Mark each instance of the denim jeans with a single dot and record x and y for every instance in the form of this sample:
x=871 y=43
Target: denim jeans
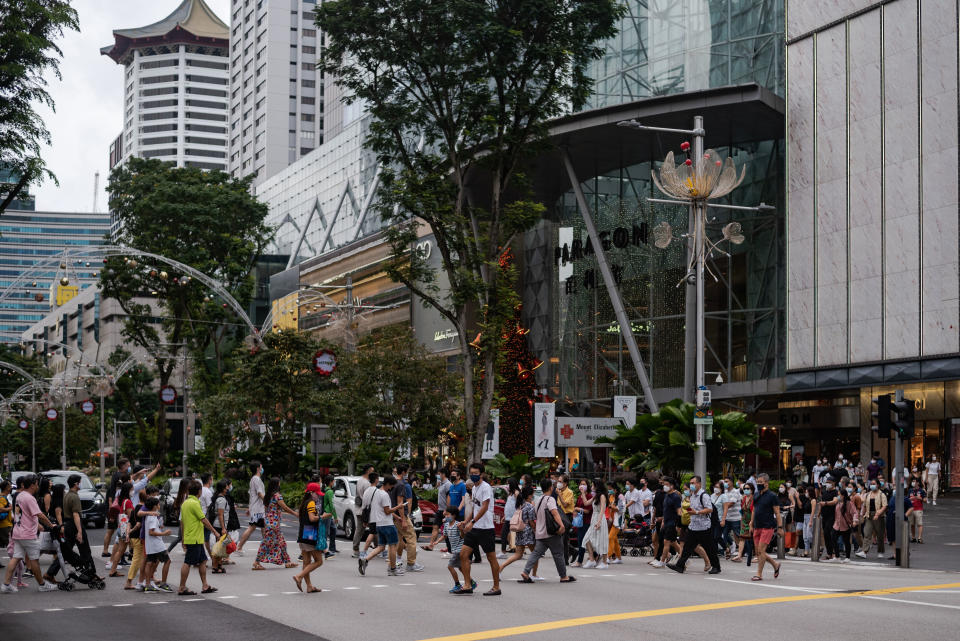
x=331 y=534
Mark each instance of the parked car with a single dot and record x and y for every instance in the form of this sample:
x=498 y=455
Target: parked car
x=348 y=514
x=91 y=496
x=168 y=496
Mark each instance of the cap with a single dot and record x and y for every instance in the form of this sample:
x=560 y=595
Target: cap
x=314 y=487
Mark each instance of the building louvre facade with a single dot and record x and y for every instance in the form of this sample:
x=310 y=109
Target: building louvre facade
x=276 y=94
x=176 y=83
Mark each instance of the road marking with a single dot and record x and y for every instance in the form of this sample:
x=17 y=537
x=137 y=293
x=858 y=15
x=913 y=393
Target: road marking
x=932 y=605
x=431 y=583
x=226 y=597
x=84 y=607
x=22 y=612
x=154 y=603
x=352 y=587
x=704 y=607
x=629 y=574
x=408 y=584
x=381 y=585
x=289 y=593
x=53 y=609
x=122 y=605
x=259 y=594
x=191 y=600
x=773 y=585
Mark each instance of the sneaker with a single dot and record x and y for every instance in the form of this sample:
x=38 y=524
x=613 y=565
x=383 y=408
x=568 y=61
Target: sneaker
x=588 y=565
x=6 y=588
x=616 y=561
x=239 y=552
x=502 y=555
x=383 y=555
x=395 y=572
x=164 y=587
x=106 y=565
x=355 y=555
x=47 y=587
x=675 y=568
x=862 y=554
x=534 y=577
x=139 y=587
x=415 y=567
x=362 y=566
x=844 y=560
x=455 y=588
x=446 y=555
x=880 y=555
x=934 y=502
x=399 y=565
x=473 y=584
x=658 y=564
x=151 y=588
x=674 y=559
x=602 y=566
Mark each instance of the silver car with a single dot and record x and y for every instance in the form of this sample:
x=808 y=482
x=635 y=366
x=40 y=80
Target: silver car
x=348 y=512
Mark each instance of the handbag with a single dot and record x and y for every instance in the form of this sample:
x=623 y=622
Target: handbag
x=310 y=533
x=551 y=523
x=578 y=520
x=516 y=522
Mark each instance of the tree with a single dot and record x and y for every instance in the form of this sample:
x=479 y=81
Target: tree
x=502 y=467
x=28 y=51
x=390 y=392
x=516 y=388
x=204 y=219
x=459 y=90
x=276 y=387
x=665 y=440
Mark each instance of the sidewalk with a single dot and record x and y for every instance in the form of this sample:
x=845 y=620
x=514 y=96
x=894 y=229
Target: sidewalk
x=941 y=538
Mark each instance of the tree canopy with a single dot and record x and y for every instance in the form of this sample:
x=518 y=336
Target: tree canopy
x=204 y=219
x=458 y=90
x=29 y=30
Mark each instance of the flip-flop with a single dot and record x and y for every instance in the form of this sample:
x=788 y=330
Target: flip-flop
x=187 y=593
x=426 y=548
x=299 y=582
x=570 y=579
x=258 y=567
x=756 y=578
x=129 y=587
x=524 y=579
x=314 y=590
x=492 y=593
x=208 y=590
x=290 y=566
x=776 y=572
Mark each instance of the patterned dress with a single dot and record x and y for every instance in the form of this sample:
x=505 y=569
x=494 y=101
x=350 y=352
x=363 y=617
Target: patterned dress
x=273 y=547
x=529 y=516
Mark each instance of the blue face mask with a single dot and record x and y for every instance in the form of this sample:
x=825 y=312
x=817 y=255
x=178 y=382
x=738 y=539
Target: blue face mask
x=686 y=492
x=475 y=478
x=449 y=519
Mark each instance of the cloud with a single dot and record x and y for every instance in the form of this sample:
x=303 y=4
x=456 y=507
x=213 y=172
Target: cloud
x=89 y=100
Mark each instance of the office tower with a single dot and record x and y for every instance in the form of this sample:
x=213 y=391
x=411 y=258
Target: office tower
x=276 y=94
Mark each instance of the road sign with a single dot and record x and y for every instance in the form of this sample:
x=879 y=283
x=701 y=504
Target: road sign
x=87 y=407
x=23 y=424
x=52 y=414
x=168 y=395
x=324 y=362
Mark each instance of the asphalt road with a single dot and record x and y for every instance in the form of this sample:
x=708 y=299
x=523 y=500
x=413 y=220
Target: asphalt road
x=629 y=601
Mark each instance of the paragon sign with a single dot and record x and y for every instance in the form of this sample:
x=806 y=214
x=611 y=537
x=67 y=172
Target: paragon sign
x=568 y=253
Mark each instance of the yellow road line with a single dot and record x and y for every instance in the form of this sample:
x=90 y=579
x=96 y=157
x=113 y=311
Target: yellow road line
x=686 y=609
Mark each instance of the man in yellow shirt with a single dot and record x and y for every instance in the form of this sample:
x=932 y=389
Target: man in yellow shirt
x=194 y=522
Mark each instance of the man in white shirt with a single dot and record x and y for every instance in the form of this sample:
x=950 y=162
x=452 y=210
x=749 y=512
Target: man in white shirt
x=381 y=514
x=479 y=532
x=255 y=506
x=645 y=499
x=359 y=524
x=206 y=492
x=140 y=480
x=932 y=469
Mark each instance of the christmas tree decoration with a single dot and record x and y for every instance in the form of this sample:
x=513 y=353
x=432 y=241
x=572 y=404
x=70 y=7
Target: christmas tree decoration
x=517 y=389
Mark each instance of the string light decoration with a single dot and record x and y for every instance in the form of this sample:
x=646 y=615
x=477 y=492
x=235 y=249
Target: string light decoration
x=517 y=388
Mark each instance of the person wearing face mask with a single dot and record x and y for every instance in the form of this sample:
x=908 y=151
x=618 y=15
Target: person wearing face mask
x=669 y=519
x=746 y=518
x=873 y=469
x=932 y=471
x=566 y=502
x=584 y=508
x=829 y=497
x=917 y=496
x=699 y=531
x=729 y=517
x=817 y=471
x=479 y=533
x=255 y=507
x=872 y=514
x=808 y=509
x=766 y=523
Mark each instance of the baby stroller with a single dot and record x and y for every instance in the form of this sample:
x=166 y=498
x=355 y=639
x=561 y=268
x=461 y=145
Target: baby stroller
x=637 y=537
x=81 y=568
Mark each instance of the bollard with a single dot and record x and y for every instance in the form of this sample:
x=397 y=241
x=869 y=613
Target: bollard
x=781 y=552
x=815 y=550
x=905 y=542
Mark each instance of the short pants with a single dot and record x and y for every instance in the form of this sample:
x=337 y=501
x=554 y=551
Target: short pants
x=762 y=537
x=196 y=554
x=158 y=557
x=26 y=549
x=484 y=539
x=669 y=532
x=387 y=535
x=256 y=520
x=454 y=561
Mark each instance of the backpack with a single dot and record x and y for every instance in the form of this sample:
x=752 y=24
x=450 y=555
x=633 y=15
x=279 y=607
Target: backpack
x=365 y=512
x=516 y=521
x=212 y=515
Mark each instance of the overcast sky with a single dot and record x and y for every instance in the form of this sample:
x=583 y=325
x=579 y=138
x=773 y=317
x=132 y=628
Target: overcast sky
x=89 y=100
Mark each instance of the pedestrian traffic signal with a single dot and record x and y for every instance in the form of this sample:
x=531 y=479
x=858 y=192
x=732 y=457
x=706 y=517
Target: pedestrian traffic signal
x=904 y=422
x=882 y=415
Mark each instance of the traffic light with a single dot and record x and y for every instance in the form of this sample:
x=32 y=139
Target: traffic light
x=882 y=415
x=904 y=422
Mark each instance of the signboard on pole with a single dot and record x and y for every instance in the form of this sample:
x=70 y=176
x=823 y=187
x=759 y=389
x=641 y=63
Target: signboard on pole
x=491 y=443
x=52 y=414
x=625 y=407
x=544 y=415
x=574 y=431
x=324 y=362
x=23 y=424
x=168 y=395
x=87 y=407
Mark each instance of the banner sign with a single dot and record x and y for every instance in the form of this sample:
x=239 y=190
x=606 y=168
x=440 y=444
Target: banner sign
x=543 y=430
x=574 y=431
x=625 y=407
x=491 y=443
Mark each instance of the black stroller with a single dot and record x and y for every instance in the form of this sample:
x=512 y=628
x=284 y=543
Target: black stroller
x=77 y=566
x=636 y=538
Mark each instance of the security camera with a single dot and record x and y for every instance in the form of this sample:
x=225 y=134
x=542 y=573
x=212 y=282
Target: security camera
x=719 y=380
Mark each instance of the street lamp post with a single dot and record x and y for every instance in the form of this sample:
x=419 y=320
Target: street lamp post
x=101 y=387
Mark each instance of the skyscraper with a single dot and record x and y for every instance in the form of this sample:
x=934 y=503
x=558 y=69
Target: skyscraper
x=176 y=77
x=276 y=95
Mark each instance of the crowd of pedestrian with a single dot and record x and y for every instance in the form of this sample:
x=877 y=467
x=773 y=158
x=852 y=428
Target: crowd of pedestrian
x=584 y=525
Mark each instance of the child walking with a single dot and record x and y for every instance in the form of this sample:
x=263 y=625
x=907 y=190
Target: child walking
x=453 y=530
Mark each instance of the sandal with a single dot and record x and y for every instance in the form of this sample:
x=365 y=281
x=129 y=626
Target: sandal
x=492 y=592
x=314 y=590
x=299 y=583
x=570 y=579
x=524 y=579
x=218 y=571
x=208 y=590
x=427 y=548
x=291 y=565
x=257 y=566
x=756 y=578
x=115 y=574
x=187 y=593
x=776 y=572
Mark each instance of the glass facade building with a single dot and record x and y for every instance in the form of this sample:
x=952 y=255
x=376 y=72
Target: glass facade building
x=663 y=49
x=28 y=239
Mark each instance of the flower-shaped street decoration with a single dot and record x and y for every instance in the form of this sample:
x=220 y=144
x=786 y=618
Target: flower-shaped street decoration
x=702 y=179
